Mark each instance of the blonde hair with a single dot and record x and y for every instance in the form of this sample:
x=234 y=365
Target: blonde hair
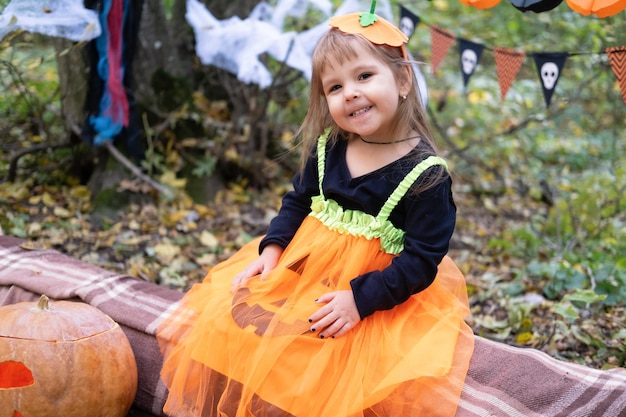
x=340 y=47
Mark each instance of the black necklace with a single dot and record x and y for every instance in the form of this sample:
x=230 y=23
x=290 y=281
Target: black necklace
x=390 y=142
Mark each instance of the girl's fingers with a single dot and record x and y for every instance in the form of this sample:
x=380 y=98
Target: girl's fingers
x=342 y=330
x=337 y=329
x=320 y=315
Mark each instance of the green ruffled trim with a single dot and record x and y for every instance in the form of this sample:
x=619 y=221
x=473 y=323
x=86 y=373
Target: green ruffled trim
x=358 y=223
x=407 y=183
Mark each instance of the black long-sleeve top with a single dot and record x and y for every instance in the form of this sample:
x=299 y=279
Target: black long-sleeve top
x=428 y=220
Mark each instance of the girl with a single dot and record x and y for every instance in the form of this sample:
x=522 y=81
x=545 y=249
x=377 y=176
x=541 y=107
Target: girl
x=348 y=306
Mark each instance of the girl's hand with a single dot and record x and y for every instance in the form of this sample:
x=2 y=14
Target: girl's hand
x=338 y=315
x=261 y=265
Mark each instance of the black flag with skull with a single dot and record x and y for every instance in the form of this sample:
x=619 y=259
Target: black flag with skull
x=470 y=53
x=408 y=21
x=549 y=68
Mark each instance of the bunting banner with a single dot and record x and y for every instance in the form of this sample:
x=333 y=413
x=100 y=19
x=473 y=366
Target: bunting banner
x=601 y=8
x=480 y=4
x=508 y=64
x=537 y=6
x=469 y=53
x=441 y=42
x=549 y=68
x=408 y=21
x=617 y=57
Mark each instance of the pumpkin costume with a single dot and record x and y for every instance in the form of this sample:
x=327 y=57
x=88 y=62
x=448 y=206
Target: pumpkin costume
x=251 y=352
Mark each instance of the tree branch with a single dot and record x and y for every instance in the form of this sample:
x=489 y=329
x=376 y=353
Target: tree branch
x=15 y=157
x=167 y=192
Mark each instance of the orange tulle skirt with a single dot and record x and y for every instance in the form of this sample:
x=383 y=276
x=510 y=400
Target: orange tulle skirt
x=251 y=352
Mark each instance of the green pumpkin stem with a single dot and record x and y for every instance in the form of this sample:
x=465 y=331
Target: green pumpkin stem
x=366 y=19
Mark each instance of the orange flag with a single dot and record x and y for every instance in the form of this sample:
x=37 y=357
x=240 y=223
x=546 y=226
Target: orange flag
x=508 y=64
x=441 y=41
x=617 y=57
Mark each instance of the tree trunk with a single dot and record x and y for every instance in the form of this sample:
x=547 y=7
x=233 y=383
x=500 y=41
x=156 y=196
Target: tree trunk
x=163 y=74
x=73 y=74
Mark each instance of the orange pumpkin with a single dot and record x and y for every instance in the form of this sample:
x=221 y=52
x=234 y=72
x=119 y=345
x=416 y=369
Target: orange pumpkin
x=64 y=359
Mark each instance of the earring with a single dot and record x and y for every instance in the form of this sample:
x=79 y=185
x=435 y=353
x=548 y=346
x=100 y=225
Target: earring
x=403 y=98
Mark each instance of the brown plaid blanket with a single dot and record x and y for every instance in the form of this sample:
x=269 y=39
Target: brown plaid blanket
x=502 y=380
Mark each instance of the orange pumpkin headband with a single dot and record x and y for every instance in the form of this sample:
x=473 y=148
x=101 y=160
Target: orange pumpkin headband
x=372 y=27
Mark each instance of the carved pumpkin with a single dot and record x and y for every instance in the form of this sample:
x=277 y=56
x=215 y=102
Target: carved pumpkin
x=65 y=359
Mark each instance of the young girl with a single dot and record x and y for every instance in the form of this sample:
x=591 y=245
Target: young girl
x=348 y=306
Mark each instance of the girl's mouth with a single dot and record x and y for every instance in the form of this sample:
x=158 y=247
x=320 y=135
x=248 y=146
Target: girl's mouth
x=361 y=111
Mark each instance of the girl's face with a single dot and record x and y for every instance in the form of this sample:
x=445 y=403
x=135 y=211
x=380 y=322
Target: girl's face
x=362 y=94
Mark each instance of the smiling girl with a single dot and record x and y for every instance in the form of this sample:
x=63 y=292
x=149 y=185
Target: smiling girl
x=348 y=306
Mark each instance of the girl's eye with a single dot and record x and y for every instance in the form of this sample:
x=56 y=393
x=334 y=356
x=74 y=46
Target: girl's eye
x=334 y=88
x=365 y=75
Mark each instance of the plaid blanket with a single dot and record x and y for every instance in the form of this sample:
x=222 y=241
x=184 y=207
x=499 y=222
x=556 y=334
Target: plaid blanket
x=502 y=381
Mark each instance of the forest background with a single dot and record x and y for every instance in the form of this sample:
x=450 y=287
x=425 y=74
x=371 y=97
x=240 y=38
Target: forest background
x=541 y=231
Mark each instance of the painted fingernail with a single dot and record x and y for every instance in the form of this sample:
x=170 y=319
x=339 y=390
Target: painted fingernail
x=310 y=321
x=332 y=337
x=312 y=329
x=321 y=336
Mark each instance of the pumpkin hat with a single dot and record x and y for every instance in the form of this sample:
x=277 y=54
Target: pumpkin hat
x=372 y=27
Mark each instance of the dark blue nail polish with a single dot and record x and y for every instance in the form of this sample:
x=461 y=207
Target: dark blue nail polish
x=310 y=321
x=312 y=329
x=321 y=336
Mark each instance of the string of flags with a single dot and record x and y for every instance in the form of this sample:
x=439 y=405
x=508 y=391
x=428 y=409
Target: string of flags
x=601 y=8
x=508 y=62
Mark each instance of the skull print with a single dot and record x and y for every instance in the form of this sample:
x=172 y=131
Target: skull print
x=468 y=61
x=549 y=75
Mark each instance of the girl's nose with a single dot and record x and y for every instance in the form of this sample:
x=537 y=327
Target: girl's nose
x=350 y=92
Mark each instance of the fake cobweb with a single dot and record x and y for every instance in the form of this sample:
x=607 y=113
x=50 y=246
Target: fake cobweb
x=67 y=19
x=236 y=45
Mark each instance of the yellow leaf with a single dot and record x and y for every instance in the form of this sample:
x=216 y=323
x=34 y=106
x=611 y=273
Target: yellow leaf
x=202 y=210
x=166 y=252
x=231 y=154
x=16 y=190
x=48 y=200
x=80 y=191
x=33 y=245
x=177 y=216
x=209 y=240
x=474 y=97
x=169 y=178
x=524 y=338
x=61 y=212
x=287 y=136
x=34 y=200
x=34 y=229
x=35 y=63
x=207 y=259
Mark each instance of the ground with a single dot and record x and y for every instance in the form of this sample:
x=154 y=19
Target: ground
x=174 y=243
